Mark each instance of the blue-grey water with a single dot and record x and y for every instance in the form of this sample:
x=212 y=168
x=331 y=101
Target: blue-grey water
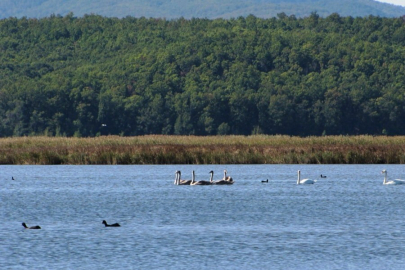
x=348 y=220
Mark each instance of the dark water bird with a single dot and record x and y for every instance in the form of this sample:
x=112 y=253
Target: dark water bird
x=12 y=178
x=111 y=225
x=323 y=176
x=32 y=228
x=265 y=181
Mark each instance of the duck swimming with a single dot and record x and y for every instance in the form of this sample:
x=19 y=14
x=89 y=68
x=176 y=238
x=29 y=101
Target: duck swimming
x=111 y=225
x=32 y=227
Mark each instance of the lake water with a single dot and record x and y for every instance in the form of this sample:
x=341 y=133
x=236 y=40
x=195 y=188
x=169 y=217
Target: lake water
x=348 y=220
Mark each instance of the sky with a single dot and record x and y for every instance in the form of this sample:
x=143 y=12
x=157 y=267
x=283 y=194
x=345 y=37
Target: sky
x=394 y=2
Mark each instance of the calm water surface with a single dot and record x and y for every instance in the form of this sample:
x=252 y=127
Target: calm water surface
x=348 y=220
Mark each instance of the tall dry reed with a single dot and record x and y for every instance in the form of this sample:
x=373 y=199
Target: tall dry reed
x=159 y=149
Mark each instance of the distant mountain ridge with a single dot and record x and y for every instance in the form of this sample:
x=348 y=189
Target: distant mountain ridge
x=197 y=8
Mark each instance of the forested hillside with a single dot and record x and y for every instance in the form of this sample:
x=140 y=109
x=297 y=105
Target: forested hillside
x=196 y=8
x=95 y=75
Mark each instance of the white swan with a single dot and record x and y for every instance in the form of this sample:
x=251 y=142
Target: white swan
x=304 y=181
x=178 y=180
x=227 y=178
x=391 y=182
x=176 y=177
x=219 y=182
x=199 y=183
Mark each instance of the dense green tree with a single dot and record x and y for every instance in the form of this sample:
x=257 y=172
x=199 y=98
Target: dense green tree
x=68 y=76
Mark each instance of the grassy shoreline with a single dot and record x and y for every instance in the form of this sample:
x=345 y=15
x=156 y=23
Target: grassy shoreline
x=160 y=149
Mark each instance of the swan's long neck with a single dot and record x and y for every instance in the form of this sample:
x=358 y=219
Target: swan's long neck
x=224 y=174
x=193 y=177
x=212 y=176
x=385 y=177
x=299 y=178
x=176 y=179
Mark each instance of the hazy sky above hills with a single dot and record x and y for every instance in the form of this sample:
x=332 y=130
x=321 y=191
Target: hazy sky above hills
x=200 y=8
x=394 y=2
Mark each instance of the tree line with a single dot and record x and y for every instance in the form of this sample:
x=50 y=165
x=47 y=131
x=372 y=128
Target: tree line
x=92 y=75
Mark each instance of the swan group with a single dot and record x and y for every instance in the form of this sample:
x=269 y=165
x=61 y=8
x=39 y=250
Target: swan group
x=227 y=180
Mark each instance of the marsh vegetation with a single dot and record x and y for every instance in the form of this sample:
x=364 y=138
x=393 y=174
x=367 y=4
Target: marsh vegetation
x=159 y=149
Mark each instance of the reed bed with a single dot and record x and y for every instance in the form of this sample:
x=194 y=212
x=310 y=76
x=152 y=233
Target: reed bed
x=160 y=149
